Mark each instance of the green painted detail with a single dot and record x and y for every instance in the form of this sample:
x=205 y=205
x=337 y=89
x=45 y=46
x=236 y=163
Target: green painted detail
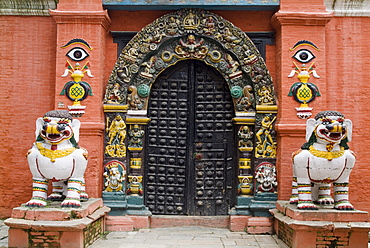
x=143 y=90
x=236 y=92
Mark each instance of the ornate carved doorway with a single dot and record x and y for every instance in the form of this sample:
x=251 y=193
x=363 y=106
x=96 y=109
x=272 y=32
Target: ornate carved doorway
x=179 y=89
x=190 y=142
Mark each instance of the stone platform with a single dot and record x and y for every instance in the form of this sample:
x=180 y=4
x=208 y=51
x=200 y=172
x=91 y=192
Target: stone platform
x=57 y=227
x=321 y=228
x=235 y=223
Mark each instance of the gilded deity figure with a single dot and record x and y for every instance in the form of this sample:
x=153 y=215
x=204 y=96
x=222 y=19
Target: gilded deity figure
x=266 y=177
x=266 y=147
x=191 y=21
x=265 y=96
x=114 y=94
x=148 y=67
x=191 y=48
x=113 y=178
x=173 y=25
x=136 y=135
x=209 y=24
x=117 y=133
x=245 y=136
x=117 y=128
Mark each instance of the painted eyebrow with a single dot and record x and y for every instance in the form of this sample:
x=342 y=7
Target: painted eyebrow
x=78 y=41
x=304 y=43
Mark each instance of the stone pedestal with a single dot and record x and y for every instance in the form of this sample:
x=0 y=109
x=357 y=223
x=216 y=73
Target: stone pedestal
x=57 y=227
x=321 y=228
x=262 y=203
x=135 y=206
x=116 y=201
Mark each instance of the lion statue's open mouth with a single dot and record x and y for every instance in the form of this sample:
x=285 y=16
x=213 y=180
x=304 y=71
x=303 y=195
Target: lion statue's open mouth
x=332 y=135
x=56 y=137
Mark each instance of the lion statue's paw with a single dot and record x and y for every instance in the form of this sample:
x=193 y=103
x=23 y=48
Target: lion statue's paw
x=70 y=203
x=294 y=199
x=36 y=203
x=84 y=196
x=325 y=201
x=56 y=197
x=307 y=206
x=344 y=206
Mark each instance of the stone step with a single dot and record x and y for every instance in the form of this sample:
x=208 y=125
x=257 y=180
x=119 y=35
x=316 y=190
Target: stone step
x=158 y=221
x=236 y=223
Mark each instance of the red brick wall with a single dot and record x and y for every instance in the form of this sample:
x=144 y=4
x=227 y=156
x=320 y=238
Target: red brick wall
x=348 y=90
x=27 y=57
x=28 y=74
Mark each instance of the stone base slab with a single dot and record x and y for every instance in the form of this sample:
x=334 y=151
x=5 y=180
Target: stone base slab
x=305 y=229
x=236 y=223
x=327 y=214
x=126 y=223
x=158 y=221
x=57 y=227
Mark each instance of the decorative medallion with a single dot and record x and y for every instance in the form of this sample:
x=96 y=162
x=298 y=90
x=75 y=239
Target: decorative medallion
x=77 y=90
x=303 y=91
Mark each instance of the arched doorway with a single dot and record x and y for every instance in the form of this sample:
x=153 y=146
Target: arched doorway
x=138 y=100
x=190 y=152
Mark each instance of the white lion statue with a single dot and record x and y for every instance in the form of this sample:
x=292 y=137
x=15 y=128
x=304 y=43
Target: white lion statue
x=323 y=160
x=56 y=156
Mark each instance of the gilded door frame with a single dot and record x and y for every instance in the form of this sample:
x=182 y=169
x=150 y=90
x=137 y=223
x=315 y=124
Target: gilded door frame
x=202 y=35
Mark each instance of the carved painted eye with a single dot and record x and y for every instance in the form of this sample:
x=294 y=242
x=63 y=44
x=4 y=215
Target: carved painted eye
x=304 y=56
x=326 y=121
x=77 y=54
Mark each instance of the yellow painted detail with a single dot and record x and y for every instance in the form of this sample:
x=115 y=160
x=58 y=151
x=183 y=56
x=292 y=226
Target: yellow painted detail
x=135 y=149
x=130 y=120
x=76 y=91
x=244 y=163
x=328 y=155
x=115 y=108
x=135 y=163
x=53 y=155
x=271 y=108
x=304 y=93
x=245 y=121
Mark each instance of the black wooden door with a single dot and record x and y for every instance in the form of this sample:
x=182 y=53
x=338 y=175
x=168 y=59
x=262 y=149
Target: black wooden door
x=190 y=143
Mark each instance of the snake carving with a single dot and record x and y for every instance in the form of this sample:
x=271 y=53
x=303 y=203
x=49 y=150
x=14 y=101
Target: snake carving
x=56 y=156
x=323 y=160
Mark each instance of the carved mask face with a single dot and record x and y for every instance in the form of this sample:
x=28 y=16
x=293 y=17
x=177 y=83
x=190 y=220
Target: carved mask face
x=331 y=129
x=55 y=130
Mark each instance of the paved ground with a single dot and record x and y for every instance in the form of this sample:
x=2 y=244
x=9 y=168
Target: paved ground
x=185 y=237
x=3 y=234
x=176 y=237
